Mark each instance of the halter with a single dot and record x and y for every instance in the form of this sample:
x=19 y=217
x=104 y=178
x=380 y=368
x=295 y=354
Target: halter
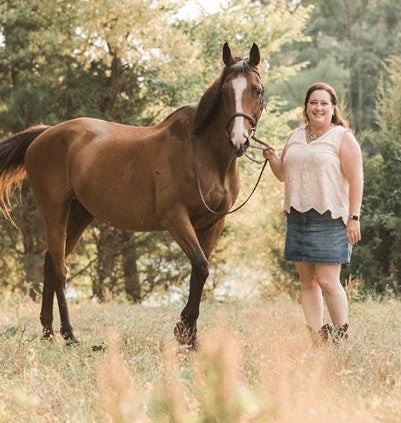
x=253 y=119
x=250 y=118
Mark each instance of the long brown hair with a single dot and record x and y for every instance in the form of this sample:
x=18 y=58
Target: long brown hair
x=337 y=117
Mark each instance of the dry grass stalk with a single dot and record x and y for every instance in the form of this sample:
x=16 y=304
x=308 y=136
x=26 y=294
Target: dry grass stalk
x=217 y=370
x=171 y=401
x=302 y=383
x=119 y=396
x=265 y=373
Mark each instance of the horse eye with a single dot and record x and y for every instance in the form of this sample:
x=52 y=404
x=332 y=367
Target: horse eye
x=257 y=90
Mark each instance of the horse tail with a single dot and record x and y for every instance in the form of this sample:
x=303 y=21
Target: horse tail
x=12 y=169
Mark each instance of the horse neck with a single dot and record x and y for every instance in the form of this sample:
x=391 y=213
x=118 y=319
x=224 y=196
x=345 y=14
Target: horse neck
x=216 y=147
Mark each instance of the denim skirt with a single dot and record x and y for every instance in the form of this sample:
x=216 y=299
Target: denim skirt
x=316 y=238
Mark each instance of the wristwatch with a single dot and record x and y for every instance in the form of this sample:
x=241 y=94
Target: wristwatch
x=353 y=217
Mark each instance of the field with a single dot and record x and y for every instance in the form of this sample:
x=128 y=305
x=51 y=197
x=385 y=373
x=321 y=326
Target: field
x=255 y=364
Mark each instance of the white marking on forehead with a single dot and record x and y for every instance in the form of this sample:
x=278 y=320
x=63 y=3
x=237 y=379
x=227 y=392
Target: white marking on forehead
x=239 y=85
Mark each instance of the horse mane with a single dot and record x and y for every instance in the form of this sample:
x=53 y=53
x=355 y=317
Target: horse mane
x=211 y=99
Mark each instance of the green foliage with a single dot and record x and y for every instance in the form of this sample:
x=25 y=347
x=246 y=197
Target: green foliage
x=349 y=41
x=378 y=260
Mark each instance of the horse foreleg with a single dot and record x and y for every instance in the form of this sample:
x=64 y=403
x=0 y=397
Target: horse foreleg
x=186 y=328
x=209 y=236
x=181 y=229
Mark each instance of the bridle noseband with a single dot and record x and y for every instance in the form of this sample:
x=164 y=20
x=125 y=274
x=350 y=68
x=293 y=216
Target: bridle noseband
x=251 y=119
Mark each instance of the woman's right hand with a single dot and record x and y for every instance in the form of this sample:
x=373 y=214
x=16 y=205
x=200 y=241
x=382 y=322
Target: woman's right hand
x=269 y=152
x=275 y=162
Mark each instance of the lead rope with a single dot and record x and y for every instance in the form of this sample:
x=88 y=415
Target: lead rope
x=258 y=148
x=200 y=189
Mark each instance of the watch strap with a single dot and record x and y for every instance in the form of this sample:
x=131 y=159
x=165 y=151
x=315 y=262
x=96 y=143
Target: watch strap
x=353 y=217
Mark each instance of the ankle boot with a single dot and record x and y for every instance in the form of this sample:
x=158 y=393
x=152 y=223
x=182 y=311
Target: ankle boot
x=322 y=336
x=340 y=334
x=326 y=332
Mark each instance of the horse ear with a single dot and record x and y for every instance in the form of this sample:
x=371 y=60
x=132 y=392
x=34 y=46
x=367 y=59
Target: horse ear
x=254 y=56
x=227 y=56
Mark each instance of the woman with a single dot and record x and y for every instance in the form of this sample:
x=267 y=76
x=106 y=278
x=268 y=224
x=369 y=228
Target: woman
x=321 y=167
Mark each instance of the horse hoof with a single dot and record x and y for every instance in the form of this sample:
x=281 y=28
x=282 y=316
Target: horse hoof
x=47 y=335
x=188 y=347
x=72 y=342
x=48 y=338
x=70 y=339
x=185 y=336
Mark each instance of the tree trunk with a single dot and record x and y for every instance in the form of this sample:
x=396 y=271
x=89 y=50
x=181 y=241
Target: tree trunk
x=105 y=267
x=130 y=268
x=27 y=219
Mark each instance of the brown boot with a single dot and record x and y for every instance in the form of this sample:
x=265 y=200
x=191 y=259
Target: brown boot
x=322 y=336
x=325 y=333
x=340 y=334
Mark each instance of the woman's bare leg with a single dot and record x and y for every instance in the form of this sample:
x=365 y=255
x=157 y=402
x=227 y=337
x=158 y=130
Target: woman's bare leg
x=328 y=278
x=311 y=295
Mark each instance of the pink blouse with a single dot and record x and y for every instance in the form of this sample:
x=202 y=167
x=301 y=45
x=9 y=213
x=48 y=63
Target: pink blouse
x=313 y=177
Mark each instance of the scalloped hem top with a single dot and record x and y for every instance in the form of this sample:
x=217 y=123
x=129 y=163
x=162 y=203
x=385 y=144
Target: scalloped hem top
x=313 y=178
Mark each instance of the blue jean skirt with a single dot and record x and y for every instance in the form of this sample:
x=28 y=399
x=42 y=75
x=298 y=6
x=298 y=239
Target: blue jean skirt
x=316 y=238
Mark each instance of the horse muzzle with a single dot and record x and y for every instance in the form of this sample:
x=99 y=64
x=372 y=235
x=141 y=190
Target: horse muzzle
x=241 y=149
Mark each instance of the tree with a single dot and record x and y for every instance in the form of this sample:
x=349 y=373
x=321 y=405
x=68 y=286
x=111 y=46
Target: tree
x=349 y=40
x=31 y=65
x=378 y=259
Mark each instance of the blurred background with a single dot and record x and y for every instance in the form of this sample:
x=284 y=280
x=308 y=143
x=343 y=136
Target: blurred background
x=135 y=61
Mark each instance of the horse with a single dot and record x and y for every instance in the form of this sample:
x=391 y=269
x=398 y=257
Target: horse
x=139 y=179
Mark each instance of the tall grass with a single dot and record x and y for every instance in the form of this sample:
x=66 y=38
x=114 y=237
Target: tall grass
x=255 y=363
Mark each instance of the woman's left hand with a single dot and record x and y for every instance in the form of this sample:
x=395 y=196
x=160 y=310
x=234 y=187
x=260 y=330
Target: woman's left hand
x=353 y=231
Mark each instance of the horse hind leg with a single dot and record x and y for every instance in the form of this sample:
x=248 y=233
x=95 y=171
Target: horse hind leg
x=64 y=230
x=55 y=222
x=78 y=221
x=46 y=312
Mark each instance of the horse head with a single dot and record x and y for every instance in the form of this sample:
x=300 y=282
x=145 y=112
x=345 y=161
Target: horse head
x=242 y=97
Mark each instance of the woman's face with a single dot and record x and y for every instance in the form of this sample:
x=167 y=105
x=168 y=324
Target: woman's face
x=319 y=109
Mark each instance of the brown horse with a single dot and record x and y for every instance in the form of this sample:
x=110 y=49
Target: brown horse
x=139 y=179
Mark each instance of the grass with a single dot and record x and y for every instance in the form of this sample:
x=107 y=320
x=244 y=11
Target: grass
x=255 y=364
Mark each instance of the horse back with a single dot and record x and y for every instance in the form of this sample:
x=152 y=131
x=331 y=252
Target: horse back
x=125 y=175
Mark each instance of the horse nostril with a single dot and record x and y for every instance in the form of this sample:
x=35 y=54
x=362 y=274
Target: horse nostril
x=246 y=143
